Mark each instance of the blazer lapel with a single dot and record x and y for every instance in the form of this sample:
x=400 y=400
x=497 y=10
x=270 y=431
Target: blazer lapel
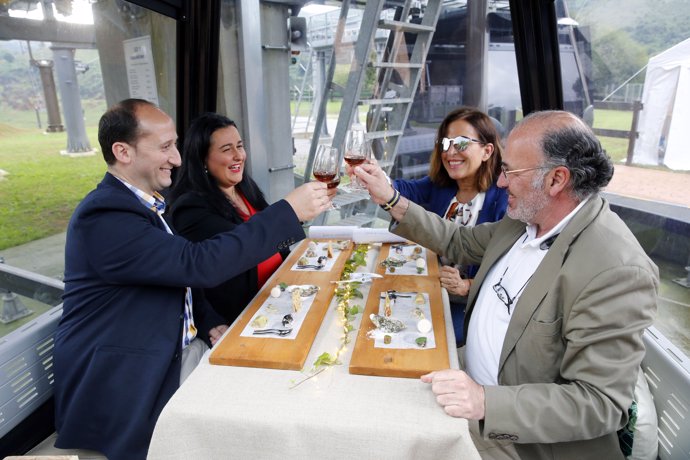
x=544 y=277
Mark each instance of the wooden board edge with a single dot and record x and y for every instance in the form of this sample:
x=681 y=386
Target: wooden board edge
x=301 y=346
x=442 y=359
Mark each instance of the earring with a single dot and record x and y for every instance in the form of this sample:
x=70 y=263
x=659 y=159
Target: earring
x=205 y=169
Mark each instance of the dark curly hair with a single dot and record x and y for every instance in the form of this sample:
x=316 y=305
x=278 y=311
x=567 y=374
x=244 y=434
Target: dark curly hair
x=568 y=141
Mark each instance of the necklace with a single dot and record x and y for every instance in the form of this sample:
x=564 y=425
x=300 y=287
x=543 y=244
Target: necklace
x=466 y=196
x=237 y=202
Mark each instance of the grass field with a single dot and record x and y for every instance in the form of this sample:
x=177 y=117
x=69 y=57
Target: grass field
x=42 y=187
x=617 y=148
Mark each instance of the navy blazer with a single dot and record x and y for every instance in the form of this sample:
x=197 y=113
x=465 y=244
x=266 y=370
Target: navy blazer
x=196 y=219
x=436 y=199
x=117 y=347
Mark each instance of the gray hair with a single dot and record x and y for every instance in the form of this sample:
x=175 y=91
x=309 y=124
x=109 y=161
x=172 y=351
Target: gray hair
x=567 y=141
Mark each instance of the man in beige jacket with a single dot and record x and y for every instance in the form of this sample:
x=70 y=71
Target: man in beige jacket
x=564 y=292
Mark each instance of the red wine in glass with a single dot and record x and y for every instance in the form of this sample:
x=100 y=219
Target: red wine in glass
x=357 y=151
x=333 y=183
x=355 y=161
x=326 y=177
x=326 y=165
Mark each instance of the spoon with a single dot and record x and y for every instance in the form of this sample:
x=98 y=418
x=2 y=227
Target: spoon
x=315 y=267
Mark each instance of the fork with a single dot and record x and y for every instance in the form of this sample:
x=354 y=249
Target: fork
x=315 y=267
x=280 y=332
x=395 y=294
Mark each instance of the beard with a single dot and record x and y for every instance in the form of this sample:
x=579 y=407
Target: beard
x=528 y=207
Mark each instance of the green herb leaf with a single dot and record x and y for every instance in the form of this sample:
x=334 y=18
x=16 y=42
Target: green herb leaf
x=325 y=359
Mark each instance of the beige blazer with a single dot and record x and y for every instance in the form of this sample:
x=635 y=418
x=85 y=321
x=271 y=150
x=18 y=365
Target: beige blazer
x=574 y=343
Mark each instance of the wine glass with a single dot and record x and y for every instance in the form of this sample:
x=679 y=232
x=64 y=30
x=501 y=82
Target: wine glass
x=326 y=165
x=357 y=151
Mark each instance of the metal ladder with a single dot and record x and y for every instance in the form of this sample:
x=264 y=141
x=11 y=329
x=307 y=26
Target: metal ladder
x=306 y=73
x=392 y=100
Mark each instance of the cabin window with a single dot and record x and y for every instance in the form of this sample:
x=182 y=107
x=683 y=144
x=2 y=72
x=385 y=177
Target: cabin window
x=60 y=69
x=623 y=66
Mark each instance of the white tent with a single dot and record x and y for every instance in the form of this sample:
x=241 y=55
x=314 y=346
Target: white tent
x=664 y=122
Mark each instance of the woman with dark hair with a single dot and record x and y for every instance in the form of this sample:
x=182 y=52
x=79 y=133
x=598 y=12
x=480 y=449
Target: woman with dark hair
x=461 y=186
x=212 y=194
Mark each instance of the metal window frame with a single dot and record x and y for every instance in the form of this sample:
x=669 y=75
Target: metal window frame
x=198 y=28
x=198 y=48
x=535 y=34
x=172 y=8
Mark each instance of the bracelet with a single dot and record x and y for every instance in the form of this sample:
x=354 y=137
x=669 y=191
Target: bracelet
x=392 y=202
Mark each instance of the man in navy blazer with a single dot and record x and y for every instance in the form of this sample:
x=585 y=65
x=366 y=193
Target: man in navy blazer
x=129 y=316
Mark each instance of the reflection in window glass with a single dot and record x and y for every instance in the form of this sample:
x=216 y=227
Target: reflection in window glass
x=453 y=61
x=56 y=83
x=619 y=52
x=444 y=82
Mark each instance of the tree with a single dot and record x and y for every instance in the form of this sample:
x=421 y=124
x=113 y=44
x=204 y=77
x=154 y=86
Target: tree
x=615 y=57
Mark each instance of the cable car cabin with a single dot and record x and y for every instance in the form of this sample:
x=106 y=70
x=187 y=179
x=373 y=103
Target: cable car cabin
x=294 y=75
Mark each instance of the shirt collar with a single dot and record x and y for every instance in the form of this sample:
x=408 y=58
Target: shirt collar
x=155 y=202
x=531 y=229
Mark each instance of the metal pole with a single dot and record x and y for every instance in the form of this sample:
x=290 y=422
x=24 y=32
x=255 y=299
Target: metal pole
x=476 y=62
x=319 y=82
x=77 y=142
x=45 y=69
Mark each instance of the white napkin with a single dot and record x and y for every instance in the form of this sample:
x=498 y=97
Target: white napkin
x=375 y=235
x=333 y=232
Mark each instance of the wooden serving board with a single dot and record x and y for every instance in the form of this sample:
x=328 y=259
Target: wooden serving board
x=412 y=363
x=265 y=351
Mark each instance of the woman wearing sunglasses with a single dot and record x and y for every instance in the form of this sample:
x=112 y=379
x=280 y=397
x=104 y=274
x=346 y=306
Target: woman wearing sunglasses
x=461 y=186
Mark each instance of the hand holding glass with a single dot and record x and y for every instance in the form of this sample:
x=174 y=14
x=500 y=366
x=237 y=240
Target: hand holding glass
x=326 y=167
x=357 y=151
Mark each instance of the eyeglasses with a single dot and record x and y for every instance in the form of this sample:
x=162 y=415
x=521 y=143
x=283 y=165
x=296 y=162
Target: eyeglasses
x=460 y=143
x=507 y=172
x=502 y=292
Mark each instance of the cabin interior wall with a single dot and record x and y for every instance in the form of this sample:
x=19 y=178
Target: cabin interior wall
x=113 y=23
x=276 y=67
x=254 y=91
x=229 y=87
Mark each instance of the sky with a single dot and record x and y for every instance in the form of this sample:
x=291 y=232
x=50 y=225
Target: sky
x=81 y=13
x=310 y=9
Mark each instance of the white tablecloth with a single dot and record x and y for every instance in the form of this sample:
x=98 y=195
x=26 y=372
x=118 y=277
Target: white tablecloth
x=223 y=412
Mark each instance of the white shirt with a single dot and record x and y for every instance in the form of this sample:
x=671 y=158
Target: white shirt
x=490 y=316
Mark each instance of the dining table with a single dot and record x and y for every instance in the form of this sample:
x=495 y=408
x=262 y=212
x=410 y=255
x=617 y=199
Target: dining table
x=226 y=411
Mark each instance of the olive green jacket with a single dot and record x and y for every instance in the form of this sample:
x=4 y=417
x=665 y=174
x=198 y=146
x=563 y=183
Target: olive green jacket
x=574 y=343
